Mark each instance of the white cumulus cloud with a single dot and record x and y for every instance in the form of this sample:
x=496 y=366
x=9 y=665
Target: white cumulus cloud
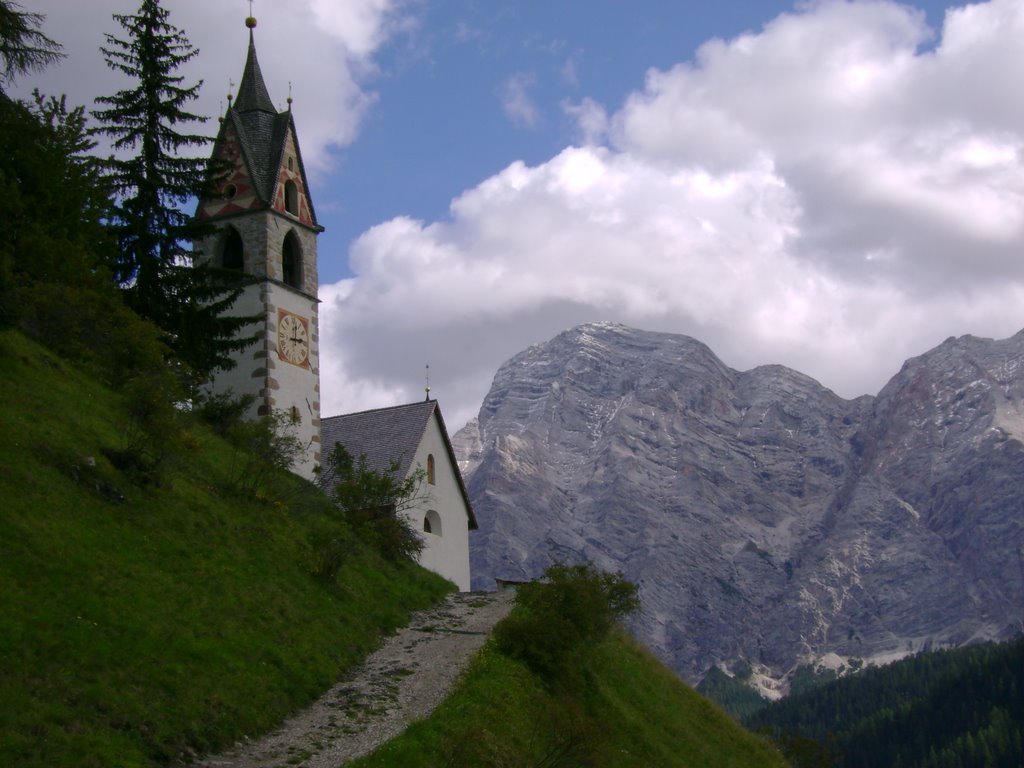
x=836 y=192
x=322 y=66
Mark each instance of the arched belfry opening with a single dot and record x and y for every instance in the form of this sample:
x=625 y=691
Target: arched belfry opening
x=291 y=197
x=291 y=261
x=232 y=255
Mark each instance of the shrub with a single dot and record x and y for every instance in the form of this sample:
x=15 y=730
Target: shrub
x=223 y=411
x=330 y=551
x=152 y=431
x=559 y=619
x=263 y=447
x=94 y=328
x=373 y=502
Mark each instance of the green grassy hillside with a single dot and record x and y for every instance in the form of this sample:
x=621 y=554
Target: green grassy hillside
x=144 y=619
x=150 y=616
x=632 y=712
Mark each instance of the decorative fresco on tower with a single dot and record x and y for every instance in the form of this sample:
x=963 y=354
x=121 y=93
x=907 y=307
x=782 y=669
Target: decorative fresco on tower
x=291 y=171
x=236 y=193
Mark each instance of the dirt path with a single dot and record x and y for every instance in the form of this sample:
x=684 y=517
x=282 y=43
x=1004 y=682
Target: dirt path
x=404 y=680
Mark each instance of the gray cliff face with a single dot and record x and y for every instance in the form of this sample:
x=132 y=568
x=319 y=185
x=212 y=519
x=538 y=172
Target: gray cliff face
x=764 y=517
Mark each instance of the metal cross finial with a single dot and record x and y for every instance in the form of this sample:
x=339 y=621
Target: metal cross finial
x=231 y=87
x=428 y=381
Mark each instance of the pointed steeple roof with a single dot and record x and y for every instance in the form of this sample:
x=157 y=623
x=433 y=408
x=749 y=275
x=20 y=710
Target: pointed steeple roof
x=262 y=134
x=255 y=112
x=253 y=95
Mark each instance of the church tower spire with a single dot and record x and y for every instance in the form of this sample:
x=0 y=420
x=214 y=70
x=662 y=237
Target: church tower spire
x=265 y=226
x=253 y=95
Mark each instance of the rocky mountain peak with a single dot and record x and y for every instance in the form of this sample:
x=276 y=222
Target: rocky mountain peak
x=766 y=519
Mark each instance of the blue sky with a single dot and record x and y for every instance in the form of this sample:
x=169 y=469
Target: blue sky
x=833 y=186
x=441 y=124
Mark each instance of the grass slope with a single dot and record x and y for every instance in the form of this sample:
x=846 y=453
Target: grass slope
x=140 y=624
x=633 y=712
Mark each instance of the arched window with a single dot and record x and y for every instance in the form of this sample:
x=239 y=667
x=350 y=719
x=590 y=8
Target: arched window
x=233 y=254
x=430 y=469
x=291 y=261
x=432 y=523
x=291 y=198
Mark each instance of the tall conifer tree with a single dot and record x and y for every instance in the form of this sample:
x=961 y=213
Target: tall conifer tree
x=155 y=173
x=23 y=46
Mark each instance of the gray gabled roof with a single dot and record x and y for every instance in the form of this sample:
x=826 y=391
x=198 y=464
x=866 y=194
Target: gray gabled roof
x=387 y=435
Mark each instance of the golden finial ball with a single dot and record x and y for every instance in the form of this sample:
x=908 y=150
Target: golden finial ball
x=250 y=22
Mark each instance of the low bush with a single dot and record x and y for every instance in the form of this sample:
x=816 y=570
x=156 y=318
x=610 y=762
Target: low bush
x=373 y=502
x=92 y=327
x=223 y=410
x=561 y=618
x=263 y=448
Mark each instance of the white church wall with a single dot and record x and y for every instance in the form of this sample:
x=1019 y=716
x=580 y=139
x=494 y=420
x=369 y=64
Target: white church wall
x=295 y=389
x=447 y=552
x=276 y=383
x=248 y=375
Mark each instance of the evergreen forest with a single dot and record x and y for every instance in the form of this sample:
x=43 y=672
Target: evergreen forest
x=961 y=708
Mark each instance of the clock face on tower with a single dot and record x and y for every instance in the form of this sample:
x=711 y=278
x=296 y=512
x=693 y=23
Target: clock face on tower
x=292 y=338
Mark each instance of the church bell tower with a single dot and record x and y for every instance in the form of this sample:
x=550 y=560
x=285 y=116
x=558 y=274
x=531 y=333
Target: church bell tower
x=265 y=226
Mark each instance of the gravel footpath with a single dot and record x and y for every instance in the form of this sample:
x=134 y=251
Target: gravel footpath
x=402 y=681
